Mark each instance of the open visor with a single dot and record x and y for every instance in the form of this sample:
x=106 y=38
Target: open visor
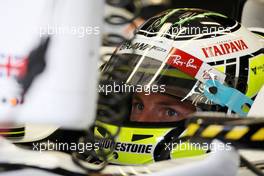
x=152 y=83
x=172 y=73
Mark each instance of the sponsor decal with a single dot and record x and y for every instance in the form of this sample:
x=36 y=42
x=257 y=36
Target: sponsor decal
x=224 y=48
x=207 y=72
x=254 y=70
x=125 y=147
x=12 y=66
x=257 y=69
x=141 y=46
x=184 y=62
x=193 y=66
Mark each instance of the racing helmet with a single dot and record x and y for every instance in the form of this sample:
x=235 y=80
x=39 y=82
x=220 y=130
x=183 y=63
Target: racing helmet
x=199 y=58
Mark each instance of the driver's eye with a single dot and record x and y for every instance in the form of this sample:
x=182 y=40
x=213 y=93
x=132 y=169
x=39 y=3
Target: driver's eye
x=171 y=112
x=138 y=106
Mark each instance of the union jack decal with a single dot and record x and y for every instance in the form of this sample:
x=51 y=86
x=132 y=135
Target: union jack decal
x=13 y=66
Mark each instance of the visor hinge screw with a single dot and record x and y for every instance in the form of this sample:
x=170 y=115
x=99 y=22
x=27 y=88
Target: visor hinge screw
x=213 y=90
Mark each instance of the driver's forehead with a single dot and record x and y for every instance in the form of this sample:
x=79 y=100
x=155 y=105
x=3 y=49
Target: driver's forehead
x=156 y=98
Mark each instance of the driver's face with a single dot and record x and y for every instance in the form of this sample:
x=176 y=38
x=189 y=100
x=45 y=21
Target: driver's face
x=158 y=107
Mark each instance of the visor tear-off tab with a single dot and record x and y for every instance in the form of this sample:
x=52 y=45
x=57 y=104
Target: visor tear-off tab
x=223 y=94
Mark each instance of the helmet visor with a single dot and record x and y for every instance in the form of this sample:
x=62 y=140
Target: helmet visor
x=159 y=92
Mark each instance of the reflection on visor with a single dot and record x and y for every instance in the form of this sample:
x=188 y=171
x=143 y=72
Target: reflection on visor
x=164 y=105
x=142 y=70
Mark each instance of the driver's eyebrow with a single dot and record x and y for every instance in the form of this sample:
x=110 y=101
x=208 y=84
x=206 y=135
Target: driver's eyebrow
x=168 y=103
x=137 y=98
x=171 y=102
